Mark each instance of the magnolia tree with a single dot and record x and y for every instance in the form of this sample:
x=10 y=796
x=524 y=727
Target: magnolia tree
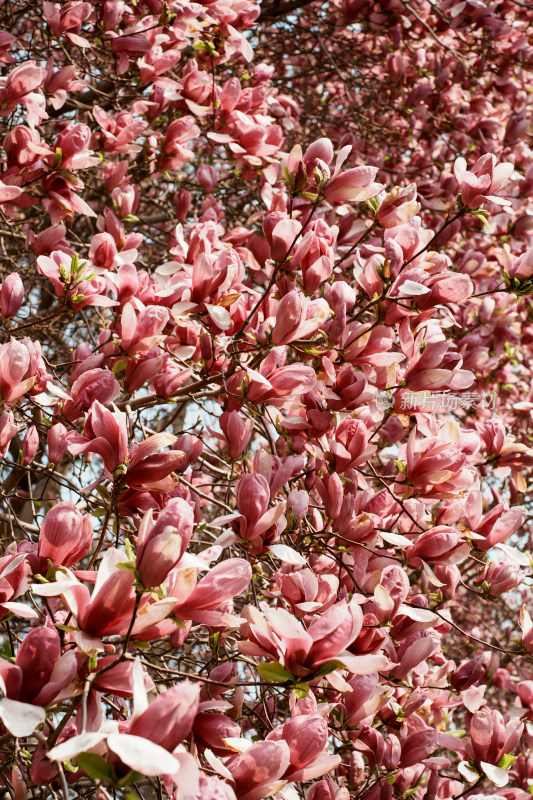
x=266 y=387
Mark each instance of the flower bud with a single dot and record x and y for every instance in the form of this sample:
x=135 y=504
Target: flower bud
x=237 y=432
x=7 y=430
x=57 y=444
x=30 y=445
x=12 y=295
x=161 y=545
x=66 y=535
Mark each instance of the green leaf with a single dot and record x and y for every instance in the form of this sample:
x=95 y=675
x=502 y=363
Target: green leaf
x=506 y=761
x=126 y=565
x=329 y=666
x=103 y=492
x=274 y=672
x=99 y=512
x=300 y=690
x=131 y=777
x=129 y=550
x=95 y=766
x=119 y=365
x=130 y=218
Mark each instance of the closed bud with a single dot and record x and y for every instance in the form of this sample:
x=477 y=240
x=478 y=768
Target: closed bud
x=57 y=444
x=12 y=295
x=7 y=430
x=237 y=432
x=30 y=445
x=160 y=545
x=182 y=203
x=65 y=535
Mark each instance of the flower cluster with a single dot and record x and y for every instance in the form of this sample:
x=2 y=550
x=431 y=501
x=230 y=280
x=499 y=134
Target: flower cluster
x=266 y=390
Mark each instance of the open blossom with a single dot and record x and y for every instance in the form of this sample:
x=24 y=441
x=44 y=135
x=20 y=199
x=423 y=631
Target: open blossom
x=297 y=318
x=21 y=370
x=277 y=634
x=74 y=280
x=398 y=206
x=484 y=181
x=23 y=682
x=266 y=422
x=522 y=268
x=353 y=185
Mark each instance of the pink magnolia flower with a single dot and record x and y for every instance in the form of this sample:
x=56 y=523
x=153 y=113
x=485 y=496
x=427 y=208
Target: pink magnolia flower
x=125 y=199
x=141 y=331
x=434 y=465
x=73 y=279
x=109 y=609
x=257 y=773
x=276 y=633
x=207 y=177
x=68 y=19
x=306 y=592
x=174 y=150
x=14 y=581
x=8 y=429
x=501 y=576
x=152 y=469
x=522 y=268
x=237 y=432
x=169 y=718
x=206 y=600
x=281 y=234
x=41 y=673
x=307 y=736
x=350 y=446
x=145 y=741
x=22 y=146
x=11 y=295
x=496 y=525
x=21 y=369
x=472 y=672
x=87 y=387
x=65 y=536
x=160 y=545
x=297 y=317
x=72 y=143
x=106 y=433
x=274 y=382
x=440 y=545
x=490 y=739
x=365 y=699
x=253 y=496
x=57 y=443
x=398 y=206
x=354 y=185
x=21 y=82
x=30 y=444
x=484 y=180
